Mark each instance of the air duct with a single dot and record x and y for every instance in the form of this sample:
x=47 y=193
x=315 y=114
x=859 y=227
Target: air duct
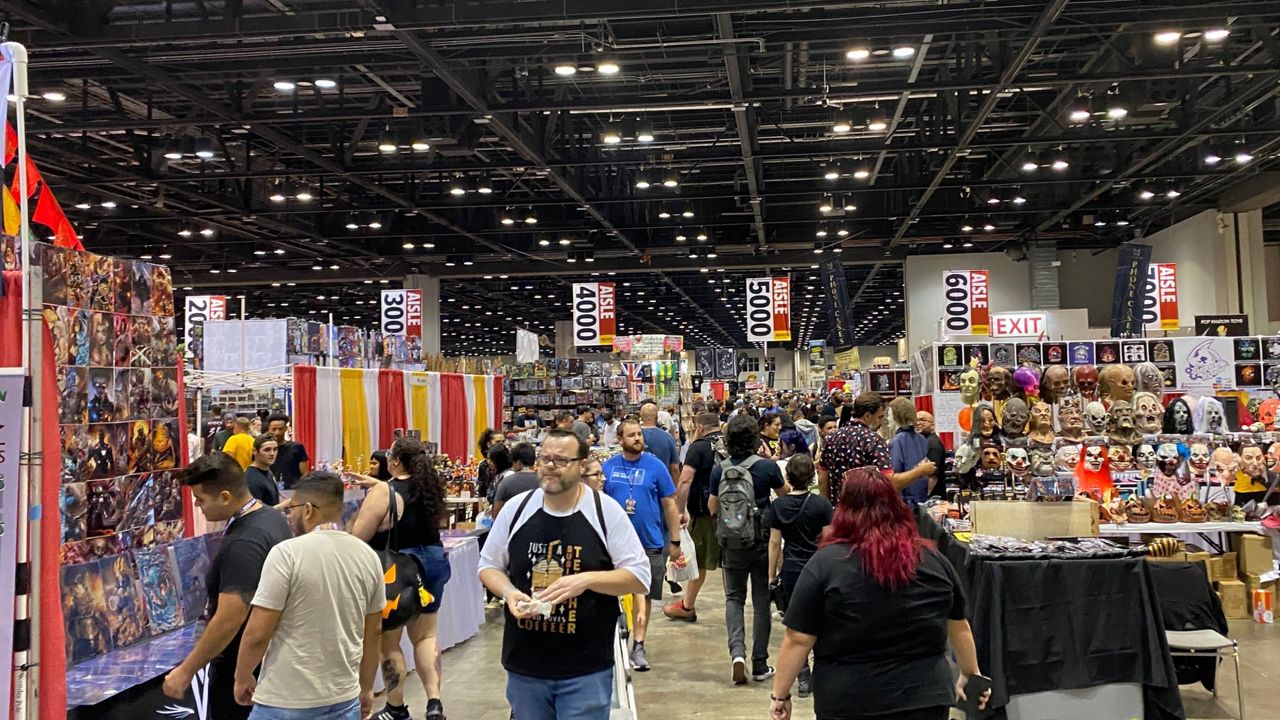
x=1042 y=261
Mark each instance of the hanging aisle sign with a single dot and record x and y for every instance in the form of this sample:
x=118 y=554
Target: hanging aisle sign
x=769 y=309
x=10 y=441
x=200 y=308
x=595 y=316
x=1160 y=297
x=401 y=313
x=967 y=302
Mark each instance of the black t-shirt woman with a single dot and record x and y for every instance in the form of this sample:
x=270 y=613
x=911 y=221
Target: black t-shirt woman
x=877 y=606
x=404 y=514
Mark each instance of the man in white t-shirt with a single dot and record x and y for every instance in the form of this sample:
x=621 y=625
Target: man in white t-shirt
x=317 y=617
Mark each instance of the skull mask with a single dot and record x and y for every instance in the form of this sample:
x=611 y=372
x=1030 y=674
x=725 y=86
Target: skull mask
x=1121 y=458
x=1068 y=456
x=1055 y=383
x=1148 y=378
x=1168 y=459
x=1252 y=462
x=1086 y=377
x=970 y=385
x=1198 y=460
x=1041 y=461
x=1094 y=457
x=1145 y=457
x=1017 y=460
x=999 y=381
x=1015 y=417
x=1147 y=411
x=1117 y=383
x=1211 y=417
x=1095 y=415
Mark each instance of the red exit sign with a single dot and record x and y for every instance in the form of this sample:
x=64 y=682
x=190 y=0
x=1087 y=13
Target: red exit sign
x=1019 y=324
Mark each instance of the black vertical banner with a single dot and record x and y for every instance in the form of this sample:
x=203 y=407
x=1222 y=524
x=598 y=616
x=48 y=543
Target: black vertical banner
x=842 y=334
x=1131 y=278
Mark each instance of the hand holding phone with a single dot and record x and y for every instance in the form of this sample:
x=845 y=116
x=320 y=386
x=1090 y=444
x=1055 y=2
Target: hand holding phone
x=972 y=694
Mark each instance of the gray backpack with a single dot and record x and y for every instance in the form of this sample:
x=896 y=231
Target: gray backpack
x=739 y=523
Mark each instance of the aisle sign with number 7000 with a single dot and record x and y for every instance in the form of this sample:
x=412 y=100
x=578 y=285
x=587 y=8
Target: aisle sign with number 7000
x=769 y=309
x=595 y=317
x=966 y=302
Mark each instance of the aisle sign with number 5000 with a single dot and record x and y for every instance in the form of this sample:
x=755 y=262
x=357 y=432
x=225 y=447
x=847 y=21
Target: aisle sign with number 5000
x=769 y=309
x=595 y=317
x=966 y=308
x=402 y=312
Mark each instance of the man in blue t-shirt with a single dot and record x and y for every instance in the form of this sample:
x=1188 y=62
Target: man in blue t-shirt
x=657 y=440
x=641 y=483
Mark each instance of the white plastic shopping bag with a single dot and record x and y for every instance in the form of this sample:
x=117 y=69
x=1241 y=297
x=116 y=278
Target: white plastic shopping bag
x=690 y=569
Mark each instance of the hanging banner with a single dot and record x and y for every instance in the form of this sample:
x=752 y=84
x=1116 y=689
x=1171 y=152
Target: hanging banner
x=10 y=442
x=200 y=308
x=833 y=282
x=595 y=318
x=1127 y=311
x=769 y=309
x=967 y=306
x=401 y=313
x=1160 y=297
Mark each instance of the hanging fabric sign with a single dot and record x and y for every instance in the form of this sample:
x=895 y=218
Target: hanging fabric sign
x=200 y=308
x=595 y=319
x=1160 y=297
x=10 y=441
x=967 y=302
x=401 y=313
x=769 y=309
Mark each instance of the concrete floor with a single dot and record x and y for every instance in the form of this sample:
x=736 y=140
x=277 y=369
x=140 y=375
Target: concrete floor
x=690 y=676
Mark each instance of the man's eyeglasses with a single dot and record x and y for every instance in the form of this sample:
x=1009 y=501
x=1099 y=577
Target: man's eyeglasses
x=287 y=508
x=556 y=462
x=593 y=474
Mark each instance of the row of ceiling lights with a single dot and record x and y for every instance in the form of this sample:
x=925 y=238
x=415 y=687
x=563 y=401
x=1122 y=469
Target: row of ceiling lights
x=861 y=50
x=283 y=190
x=845 y=119
x=287 y=85
x=666 y=177
x=411 y=139
x=586 y=64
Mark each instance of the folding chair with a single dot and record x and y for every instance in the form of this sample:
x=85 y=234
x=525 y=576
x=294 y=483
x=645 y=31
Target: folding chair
x=1195 y=643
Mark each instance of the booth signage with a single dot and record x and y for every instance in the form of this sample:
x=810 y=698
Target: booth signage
x=1019 y=324
x=200 y=308
x=967 y=302
x=1127 y=302
x=1222 y=325
x=1160 y=297
x=595 y=318
x=402 y=312
x=769 y=309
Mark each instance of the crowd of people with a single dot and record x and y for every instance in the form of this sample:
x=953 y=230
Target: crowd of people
x=806 y=504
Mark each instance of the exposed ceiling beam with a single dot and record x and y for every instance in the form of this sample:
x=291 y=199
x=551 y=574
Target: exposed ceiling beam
x=736 y=59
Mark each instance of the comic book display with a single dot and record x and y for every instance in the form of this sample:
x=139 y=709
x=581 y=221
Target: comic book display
x=116 y=356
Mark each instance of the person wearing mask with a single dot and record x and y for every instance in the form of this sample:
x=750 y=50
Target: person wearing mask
x=739 y=566
x=659 y=441
x=559 y=661
x=908 y=449
x=642 y=484
x=522 y=479
x=258 y=476
x=218 y=488
x=877 y=607
x=705 y=452
x=797 y=519
x=240 y=444
x=937 y=453
x=291 y=456
x=770 y=431
x=221 y=437
x=405 y=514
x=857 y=444
x=608 y=428
x=316 y=617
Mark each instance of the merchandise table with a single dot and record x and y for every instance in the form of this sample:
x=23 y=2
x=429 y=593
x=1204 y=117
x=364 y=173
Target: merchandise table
x=1202 y=530
x=462 y=612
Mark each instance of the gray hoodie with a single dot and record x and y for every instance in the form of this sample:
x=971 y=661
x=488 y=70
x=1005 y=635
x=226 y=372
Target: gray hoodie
x=810 y=432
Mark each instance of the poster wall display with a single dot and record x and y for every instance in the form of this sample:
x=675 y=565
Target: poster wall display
x=1160 y=297
x=769 y=309
x=10 y=442
x=595 y=319
x=967 y=308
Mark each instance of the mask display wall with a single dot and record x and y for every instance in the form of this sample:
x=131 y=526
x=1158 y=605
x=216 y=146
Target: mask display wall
x=1115 y=383
x=1148 y=378
x=1055 y=383
x=1085 y=378
x=1210 y=417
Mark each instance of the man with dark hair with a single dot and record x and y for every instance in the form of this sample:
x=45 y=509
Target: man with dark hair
x=218 y=488
x=291 y=456
x=317 y=616
x=564 y=420
x=857 y=444
x=221 y=437
x=692 y=492
x=584 y=426
x=747 y=564
x=522 y=479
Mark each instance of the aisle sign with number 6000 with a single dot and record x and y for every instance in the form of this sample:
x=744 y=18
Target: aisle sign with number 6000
x=595 y=317
x=966 y=302
x=1160 y=298
x=769 y=309
x=402 y=312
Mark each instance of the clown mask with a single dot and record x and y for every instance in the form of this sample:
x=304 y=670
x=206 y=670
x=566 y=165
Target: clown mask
x=1145 y=456
x=1168 y=459
x=1017 y=461
x=1199 y=458
x=1121 y=458
x=1068 y=456
x=1094 y=457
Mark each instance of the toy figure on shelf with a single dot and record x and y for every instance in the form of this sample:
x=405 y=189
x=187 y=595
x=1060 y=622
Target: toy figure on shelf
x=1148 y=378
x=1120 y=425
x=1041 y=424
x=1096 y=418
x=1054 y=384
x=1177 y=418
x=1086 y=381
x=1146 y=413
x=1071 y=418
x=1169 y=480
x=1115 y=383
x=1210 y=417
x=1014 y=420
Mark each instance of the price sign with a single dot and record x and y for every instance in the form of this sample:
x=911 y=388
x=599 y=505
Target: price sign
x=200 y=308
x=769 y=309
x=966 y=302
x=401 y=313
x=1160 y=297
x=595 y=317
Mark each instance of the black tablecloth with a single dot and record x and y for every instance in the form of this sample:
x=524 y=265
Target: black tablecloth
x=1068 y=624
x=1188 y=602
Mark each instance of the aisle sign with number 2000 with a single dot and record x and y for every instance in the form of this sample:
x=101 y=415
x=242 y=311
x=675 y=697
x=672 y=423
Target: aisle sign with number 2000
x=966 y=302
x=595 y=318
x=769 y=309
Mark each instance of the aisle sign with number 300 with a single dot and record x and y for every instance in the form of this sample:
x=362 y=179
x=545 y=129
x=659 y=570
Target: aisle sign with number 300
x=402 y=312
x=966 y=302
x=595 y=318
x=769 y=309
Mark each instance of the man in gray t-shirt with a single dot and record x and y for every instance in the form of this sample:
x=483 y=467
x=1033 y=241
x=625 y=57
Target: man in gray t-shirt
x=585 y=426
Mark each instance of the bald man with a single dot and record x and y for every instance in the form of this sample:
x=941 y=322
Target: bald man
x=657 y=440
x=936 y=453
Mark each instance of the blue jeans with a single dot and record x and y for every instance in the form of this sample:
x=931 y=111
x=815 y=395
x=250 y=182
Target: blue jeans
x=436 y=571
x=588 y=697
x=346 y=710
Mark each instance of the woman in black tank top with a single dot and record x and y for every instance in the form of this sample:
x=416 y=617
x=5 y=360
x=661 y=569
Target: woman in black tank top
x=416 y=494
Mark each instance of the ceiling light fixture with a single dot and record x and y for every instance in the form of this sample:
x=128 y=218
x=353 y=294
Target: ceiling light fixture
x=529 y=217
x=325 y=83
x=565 y=68
x=826 y=204
x=903 y=50
x=858 y=53
x=108 y=204
x=878 y=121
x=831 y=171
x=1167 y=37
x=612 y=134
x=204 y=148
x=484 y=186
x=670 y=178
x=54 y=95
x=457 y=188
x=608 y=66
x=285 y=85
x=644 y=131
x=1146 y=193
x=507 y=217
x=387 y=141
x=848 y=204
x=1080 y=110
x=1242 y=154
x=841 y=123
x=1216 y=34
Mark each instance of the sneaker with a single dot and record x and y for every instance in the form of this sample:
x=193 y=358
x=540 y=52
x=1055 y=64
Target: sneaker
x=391 y=712
x=762 y=673
x=677 y=611
x=739 y=671
x=804 y=685
x=435 y=710
x=638 y=659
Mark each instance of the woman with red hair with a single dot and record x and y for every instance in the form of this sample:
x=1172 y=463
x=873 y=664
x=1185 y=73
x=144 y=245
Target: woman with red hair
x=877 y=606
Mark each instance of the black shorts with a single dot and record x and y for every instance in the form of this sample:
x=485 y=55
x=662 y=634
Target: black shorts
x=657 y=572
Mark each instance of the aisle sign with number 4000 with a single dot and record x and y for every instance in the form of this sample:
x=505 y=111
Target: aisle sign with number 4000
x=966 y=308
x=769 y=309
x=402 y=312
x=595 y=317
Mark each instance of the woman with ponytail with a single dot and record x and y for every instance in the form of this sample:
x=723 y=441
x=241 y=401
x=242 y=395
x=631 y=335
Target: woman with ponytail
x=417 y=493
x=877 y=606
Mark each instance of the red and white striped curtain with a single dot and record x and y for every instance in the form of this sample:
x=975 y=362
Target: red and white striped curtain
x=349 y=413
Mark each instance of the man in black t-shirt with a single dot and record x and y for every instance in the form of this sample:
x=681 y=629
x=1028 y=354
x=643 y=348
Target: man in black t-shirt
x=692 y=491
x=218 y=488
x=291 y=457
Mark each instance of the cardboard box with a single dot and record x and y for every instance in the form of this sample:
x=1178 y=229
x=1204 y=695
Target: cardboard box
x=1253 y=553
x=1034 y=520
x=1227 y=568
x=1235 y=600
x=1201 y=557
x=1214 y=567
